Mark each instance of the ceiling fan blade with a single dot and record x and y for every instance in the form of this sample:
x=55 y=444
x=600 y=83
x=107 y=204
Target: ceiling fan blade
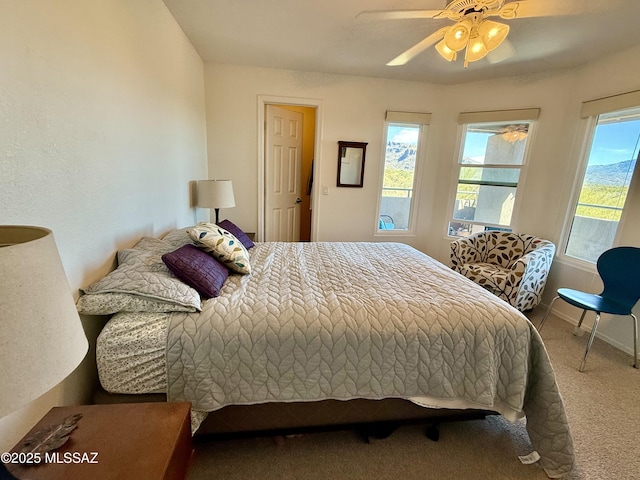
x=399 y=14
x=418 y=48
x=503 y=52
x=549 y=8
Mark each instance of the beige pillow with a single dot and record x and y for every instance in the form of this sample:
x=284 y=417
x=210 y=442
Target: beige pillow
x=222 y=245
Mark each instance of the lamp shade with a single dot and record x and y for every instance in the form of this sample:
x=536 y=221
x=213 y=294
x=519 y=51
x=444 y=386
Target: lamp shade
x=445 y=51
x=475 y=51
x=215 y=194
x=492 y=33
x=41 y=337
x=457 y=36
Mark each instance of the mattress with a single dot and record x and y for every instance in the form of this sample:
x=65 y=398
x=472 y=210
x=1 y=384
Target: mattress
x=130 y=356
x=130 y=353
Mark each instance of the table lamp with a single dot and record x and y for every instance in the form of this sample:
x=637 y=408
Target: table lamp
x=215 y=194
x=41 y=337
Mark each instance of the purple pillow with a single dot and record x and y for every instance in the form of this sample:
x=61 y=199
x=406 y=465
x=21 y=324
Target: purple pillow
x=234 y=230
x=197 y=269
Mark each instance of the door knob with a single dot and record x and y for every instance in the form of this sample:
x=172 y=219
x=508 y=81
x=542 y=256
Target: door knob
x=298 y=200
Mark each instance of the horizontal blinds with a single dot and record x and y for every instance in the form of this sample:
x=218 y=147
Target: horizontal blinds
x=499 y=116
x=408 y=117
x=610 y=104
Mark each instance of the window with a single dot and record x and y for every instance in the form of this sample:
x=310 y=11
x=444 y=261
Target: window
x=489 y=168
x=609 y=164
x=404 y=144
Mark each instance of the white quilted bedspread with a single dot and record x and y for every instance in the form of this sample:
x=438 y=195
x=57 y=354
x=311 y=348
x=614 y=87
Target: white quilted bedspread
x=365 y=320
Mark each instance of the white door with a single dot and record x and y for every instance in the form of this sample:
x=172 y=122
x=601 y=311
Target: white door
x=283 y=163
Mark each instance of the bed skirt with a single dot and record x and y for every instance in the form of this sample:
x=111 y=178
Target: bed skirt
x=298 y=417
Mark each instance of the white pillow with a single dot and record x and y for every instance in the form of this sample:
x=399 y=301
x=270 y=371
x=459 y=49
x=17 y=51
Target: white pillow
x=178 y=238
x=222 y=245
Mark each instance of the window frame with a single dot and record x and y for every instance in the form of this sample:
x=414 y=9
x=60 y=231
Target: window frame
x=529 y=116
x=586 y=136
x=411 y=120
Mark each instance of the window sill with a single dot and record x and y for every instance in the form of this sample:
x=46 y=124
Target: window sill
x=394 y=233
x=575 y=263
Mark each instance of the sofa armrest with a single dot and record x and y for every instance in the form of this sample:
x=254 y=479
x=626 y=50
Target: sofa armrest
x=530 y=273
x=541 y=255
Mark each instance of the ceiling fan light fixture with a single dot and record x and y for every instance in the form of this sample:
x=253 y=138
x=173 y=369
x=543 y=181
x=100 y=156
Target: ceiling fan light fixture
x=476 y=50
x=515 y=133
x=513 y=137
x=457 y=36
x=492 y=33
x=471 y=32
x=445 y=51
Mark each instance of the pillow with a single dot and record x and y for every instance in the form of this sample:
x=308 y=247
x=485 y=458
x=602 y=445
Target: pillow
x=197 y=269
x=222 y=245
x=233 y=229
x=141 y=272
x=178 y=238
x=151 y=245
x=114 y=302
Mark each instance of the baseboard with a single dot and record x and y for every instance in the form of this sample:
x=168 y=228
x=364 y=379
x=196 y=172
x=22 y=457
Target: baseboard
x=574 y=321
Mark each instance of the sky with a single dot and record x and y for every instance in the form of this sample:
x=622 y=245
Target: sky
x=402 y=134
x=615 y=142
x=475 y=145
x=612 y=143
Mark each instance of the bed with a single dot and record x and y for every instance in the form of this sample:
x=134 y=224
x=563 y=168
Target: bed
x=379 y=328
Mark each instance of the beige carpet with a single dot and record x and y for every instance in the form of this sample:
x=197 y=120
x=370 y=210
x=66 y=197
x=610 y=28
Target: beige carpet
x=603 y=406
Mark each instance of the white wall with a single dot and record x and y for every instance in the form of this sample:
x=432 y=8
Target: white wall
x=617 y=74
x=354 y=110
x=103 y=127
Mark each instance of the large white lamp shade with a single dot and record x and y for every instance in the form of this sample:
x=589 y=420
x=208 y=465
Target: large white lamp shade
x=41 y=337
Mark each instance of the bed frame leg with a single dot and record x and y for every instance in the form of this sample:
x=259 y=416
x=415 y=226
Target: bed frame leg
x=377 y=431
x=433 y=432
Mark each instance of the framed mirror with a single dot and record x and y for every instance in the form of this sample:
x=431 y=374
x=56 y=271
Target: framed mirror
x=351 y=163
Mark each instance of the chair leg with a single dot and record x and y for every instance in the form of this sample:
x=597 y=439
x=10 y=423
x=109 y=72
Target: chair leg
x=584 y=312
x=591 y=337
x=635 y=341
x=546 y=314
x=576 y=330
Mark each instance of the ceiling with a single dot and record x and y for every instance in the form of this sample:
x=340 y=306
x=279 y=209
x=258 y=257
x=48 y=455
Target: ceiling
x=328 y=36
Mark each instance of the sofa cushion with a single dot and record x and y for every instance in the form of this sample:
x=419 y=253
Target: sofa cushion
x=487 y=275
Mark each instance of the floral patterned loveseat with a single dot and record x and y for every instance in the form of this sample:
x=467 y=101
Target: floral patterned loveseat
x=513 y=266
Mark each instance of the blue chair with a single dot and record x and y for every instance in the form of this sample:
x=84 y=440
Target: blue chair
x=386 y=223
x=619 y=269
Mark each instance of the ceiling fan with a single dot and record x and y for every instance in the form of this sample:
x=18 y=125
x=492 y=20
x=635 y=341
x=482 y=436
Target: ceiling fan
x=472 y=30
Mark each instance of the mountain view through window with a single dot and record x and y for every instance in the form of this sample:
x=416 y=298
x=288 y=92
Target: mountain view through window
x=399 y=176
x=610 y=166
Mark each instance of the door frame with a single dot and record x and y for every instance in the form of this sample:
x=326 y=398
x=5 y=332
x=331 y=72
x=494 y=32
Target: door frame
x=263 y=101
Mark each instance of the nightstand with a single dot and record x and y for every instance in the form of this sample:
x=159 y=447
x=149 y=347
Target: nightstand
x=150 y=441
